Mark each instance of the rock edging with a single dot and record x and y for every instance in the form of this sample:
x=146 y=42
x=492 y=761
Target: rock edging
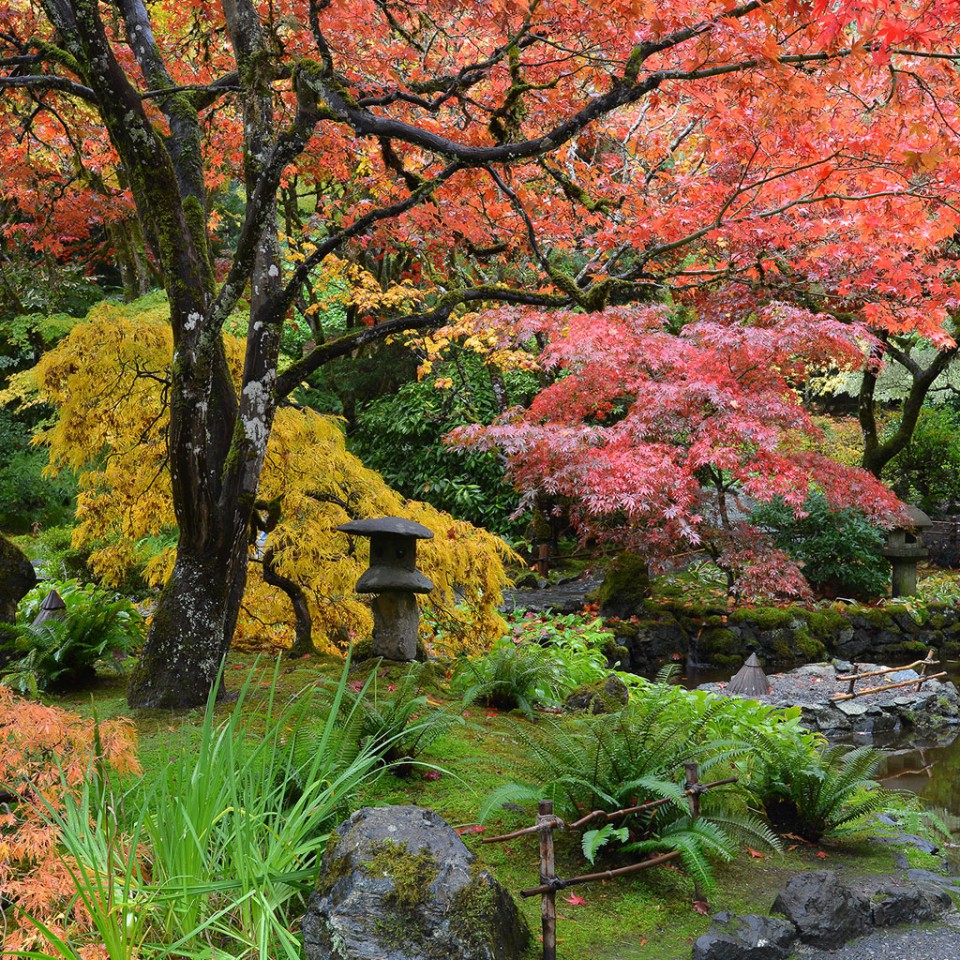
x=823 y=910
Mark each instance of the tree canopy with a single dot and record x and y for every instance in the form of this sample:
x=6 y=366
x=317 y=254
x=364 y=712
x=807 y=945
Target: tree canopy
x=552 y=154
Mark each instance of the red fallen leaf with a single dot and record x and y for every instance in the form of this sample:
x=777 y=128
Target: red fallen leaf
x=391 y=687
x=756 y=854
x=492 y=713
x=822 y=855
x=702 y=907
x=430 y=775
x=473 y=828
x=576 y=901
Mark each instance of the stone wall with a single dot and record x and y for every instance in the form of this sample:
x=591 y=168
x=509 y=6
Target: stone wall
x=783 y=637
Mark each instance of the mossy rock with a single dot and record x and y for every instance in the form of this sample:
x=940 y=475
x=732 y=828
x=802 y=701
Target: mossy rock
x=625 y=587
x=764 y=618
x=397 y=883
x=17 y=577
x=720 y=646
x=604 y=696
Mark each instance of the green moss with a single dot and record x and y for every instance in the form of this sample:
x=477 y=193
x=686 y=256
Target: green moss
x=721 y=646
x=809 y=647
x=625 y=587
x=410 y=873
x=765 y=618
x=332 y=872
x=476 y=905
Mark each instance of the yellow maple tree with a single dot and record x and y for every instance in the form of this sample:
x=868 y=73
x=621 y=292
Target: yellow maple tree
x=107 y=381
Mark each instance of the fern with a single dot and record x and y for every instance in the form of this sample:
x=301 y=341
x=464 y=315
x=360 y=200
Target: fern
x=816 y=796
x=60 y=654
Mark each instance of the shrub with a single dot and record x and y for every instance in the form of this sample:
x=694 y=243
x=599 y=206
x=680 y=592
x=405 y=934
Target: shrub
x=513 y=676
x=399 y=721
x=839 y=550
x=60 y=654
x=48 y=757
x=401 y=437
x=927 y=472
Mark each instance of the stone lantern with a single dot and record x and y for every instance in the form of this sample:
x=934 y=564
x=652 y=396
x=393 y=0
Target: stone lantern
x=394 y=579
x=52 y=608
x=905 y=549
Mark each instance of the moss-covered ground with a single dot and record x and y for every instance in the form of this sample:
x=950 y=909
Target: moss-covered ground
x=651 y=916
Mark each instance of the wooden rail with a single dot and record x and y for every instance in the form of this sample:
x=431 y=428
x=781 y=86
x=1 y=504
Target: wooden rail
x=547 y=822
x=853 y=677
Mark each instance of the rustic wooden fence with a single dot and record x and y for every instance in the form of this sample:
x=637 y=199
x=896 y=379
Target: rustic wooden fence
x=854 y=676
x=547 y=822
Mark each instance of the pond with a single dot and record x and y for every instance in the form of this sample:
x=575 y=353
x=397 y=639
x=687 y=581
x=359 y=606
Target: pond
x=930 y=771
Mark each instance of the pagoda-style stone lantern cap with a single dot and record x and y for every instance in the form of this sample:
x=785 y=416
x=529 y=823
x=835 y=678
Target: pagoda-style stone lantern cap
x=393 y=554
x=52 y=608
x=906 y=541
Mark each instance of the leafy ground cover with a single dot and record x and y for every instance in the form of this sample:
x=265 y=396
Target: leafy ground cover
x=654 y=915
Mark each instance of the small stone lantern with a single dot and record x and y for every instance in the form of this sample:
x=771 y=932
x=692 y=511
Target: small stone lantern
x=905 y=549
x=394 y=578
x=52 y=608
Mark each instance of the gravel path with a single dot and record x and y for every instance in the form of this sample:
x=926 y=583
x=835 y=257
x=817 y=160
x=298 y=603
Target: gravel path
x=932 y=941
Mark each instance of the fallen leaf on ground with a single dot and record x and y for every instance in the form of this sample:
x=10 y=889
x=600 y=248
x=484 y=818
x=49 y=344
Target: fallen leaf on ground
x=702 y=907
x=575 y=900
x=756 y=854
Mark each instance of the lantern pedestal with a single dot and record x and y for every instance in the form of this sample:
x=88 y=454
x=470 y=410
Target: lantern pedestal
x=396 y=624
x=394 y=581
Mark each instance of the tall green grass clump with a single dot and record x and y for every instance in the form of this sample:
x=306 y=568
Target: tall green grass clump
x=214 y=852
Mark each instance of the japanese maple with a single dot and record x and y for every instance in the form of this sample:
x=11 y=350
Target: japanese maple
x=552 y=153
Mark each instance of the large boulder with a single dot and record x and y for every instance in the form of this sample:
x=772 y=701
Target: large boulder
x=750 y=937
x=399 y=884
x=603 y=696
x=894 y=901
x=824 y=910
x=17 y=576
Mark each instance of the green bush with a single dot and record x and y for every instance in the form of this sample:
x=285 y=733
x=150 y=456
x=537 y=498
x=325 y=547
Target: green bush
x=838 y=550
x=513 y=675
x=401 y=437
x=398 y=722
x=60 y=654
x=927 y=472
x=26 y=496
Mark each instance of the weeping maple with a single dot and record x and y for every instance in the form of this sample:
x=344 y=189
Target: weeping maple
x=114 y=437
x=549 y=153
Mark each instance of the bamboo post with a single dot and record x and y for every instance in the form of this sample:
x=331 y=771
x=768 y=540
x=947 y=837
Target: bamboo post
x=853 y=678
x=543 y=560
x=548 y=903
x=693 y=789
x=931 y=653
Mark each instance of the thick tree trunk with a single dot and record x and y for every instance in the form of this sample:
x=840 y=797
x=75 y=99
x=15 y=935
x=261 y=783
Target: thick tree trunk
x=182 y=658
